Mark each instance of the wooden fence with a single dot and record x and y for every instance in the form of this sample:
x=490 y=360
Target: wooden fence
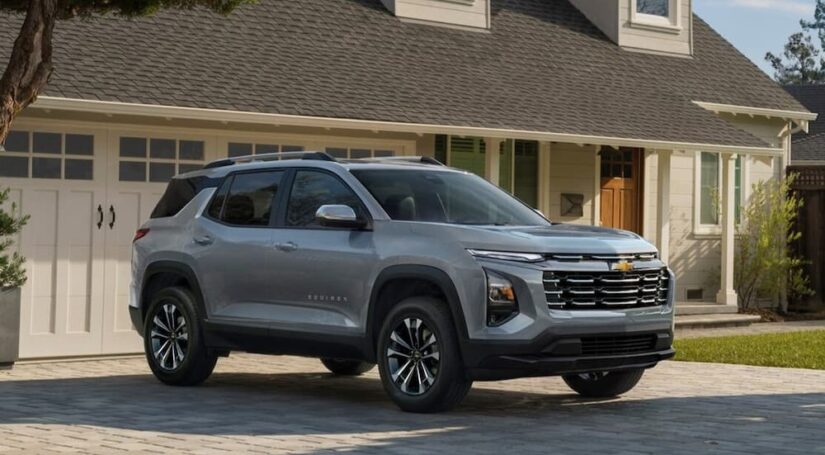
x=810 y=186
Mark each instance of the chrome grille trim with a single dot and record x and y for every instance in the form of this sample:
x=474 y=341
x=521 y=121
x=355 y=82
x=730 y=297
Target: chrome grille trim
x=606 y=289
x=603 y=257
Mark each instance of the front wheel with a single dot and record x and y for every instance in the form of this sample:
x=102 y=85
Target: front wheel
x=419 y=358
x=173 y=339
x=604 y=384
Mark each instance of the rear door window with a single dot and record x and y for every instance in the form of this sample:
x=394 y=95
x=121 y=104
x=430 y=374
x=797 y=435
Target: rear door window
x=246 y=199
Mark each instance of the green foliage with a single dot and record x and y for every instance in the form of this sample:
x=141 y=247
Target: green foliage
x=129 y=8
x=12 y=272
x=788 y=350
x=765 y=266
x=799 y=62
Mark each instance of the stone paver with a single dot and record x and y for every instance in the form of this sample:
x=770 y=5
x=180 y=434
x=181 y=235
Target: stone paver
x=754 y=329
x=256 y=404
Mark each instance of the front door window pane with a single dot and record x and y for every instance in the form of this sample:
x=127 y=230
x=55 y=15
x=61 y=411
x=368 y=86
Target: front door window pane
x=313 y=189
x=653 y=7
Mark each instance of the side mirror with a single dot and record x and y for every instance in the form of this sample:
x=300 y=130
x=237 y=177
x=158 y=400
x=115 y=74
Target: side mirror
x=338 y=216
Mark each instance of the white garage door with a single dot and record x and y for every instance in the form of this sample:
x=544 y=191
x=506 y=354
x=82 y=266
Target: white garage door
x=87 y=192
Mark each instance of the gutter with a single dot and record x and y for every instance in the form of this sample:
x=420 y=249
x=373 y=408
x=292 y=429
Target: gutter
x=226 y=116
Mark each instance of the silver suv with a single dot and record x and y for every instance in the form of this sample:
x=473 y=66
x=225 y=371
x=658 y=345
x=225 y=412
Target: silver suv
x=434 y=274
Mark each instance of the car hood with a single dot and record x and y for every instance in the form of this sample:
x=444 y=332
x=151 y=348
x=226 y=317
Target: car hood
x=557 y=238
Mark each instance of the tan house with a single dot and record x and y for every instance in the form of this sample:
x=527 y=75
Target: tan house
x=633 y=114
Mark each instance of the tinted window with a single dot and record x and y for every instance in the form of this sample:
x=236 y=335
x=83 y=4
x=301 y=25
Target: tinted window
x=216 y=206
x=313 y=189
x=178 y=193
x=249 y=199
x=445 y=197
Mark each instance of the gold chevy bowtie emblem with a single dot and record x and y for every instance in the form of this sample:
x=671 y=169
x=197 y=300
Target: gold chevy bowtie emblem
x=624 y=266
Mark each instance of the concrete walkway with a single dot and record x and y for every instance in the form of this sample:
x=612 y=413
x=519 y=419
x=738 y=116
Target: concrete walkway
x=755 y=329
x=257 y=404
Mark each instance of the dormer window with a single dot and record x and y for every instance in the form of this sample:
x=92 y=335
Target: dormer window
x=660 y=15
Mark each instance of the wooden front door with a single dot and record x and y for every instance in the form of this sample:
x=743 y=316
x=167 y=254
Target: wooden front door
x=621 y=188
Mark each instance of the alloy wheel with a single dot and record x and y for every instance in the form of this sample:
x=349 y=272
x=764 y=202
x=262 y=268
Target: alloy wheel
x=170 y=337
x=413 y=357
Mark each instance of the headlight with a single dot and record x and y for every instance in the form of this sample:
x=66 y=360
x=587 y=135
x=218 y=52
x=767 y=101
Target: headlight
x=501 y=299
x=507 y=256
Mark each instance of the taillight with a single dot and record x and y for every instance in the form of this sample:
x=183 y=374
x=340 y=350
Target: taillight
x=141 y=233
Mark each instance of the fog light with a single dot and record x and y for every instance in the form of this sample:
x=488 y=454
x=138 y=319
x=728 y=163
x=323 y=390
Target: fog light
x=501 y=299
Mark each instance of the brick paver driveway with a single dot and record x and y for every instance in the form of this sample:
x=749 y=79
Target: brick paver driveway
x=282 y=404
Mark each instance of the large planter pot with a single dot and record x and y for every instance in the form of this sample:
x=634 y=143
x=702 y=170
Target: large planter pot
x=9 y=326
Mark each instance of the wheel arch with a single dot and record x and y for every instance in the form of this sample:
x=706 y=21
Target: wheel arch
x=162 y=274
x=390 y=285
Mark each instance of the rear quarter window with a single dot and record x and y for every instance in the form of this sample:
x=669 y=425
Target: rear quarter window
x=180 y=192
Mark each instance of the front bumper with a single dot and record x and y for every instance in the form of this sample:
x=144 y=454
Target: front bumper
x=556 y=356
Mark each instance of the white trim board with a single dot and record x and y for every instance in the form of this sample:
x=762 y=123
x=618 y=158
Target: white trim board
x=118 y=108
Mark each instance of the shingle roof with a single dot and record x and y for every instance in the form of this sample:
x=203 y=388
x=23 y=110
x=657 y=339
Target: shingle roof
x=809 y=148
x=543 y=67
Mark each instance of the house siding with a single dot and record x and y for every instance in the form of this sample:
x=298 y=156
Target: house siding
x=572 y=170
x=635 y=37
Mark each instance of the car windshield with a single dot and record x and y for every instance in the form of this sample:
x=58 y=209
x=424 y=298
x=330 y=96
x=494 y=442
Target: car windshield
x=445 y=197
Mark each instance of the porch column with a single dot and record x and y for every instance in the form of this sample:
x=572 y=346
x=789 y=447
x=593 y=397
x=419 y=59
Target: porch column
x=663 y=204
x=544 y=178
x=492 y=159
x=727 y=294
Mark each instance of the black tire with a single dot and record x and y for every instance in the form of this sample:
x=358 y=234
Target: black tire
x=344 y=367
x=449 y=383
x=604 y=385
x=197 y=362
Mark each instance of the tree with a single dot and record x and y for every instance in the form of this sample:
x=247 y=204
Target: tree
x=30 y=64
x=799 y=62
x=12 y=273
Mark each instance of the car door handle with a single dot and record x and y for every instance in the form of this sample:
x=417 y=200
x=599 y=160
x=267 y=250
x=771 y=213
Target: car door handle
x=203 y=240
x=287 y=247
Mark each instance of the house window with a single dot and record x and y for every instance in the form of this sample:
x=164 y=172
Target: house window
x=659 y=15
x=48 y=155
x=709 y=187
x=158 y=159
x=653 y=7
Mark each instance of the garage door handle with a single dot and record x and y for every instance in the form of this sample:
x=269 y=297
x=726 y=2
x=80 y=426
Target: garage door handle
x=112 y=212
x=100 y=216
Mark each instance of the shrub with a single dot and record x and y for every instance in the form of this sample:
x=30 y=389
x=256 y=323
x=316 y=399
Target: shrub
x=765 y=265
x=12 y=272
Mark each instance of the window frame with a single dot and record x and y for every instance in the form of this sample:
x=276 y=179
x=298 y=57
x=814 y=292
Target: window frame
x=715 y=230
x=276 y=204
x=671 y=24
x=282 y=212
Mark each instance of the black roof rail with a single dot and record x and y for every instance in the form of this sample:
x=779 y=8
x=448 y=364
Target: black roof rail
x=407 y=159
x=316 y=156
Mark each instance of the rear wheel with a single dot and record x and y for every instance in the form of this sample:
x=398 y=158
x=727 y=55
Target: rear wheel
x=419 y=358
x=343 y=367
x=604 y=384
x=173 y=339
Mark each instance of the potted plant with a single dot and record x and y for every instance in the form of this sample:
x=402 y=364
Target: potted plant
x=12 y=276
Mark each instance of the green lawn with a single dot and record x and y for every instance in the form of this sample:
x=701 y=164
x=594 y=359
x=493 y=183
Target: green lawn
x=790 y=350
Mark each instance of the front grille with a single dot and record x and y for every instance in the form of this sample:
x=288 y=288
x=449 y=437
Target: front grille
x=606 y=290
x=618 y=345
